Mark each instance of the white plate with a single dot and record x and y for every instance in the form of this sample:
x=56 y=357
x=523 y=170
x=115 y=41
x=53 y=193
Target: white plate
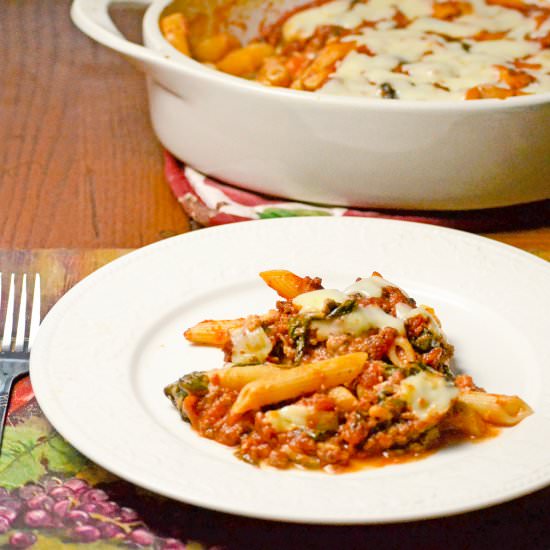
x=107 y=349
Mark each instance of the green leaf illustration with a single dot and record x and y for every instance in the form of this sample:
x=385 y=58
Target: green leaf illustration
x=44 y=542
x=290 y=213
x=33 y=448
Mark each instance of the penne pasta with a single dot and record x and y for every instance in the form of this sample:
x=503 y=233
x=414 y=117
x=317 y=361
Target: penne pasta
x=466 y=419
x=288 y=285
x=235 y=378
x=329 y=376
x=323 y=65
x=246 y=60
x=401 y=352
x=326 y=54
x=214 y=48
x=174 y=28
x=343 y=398
x=212 y=333
x=501 y=410
x=298 y=381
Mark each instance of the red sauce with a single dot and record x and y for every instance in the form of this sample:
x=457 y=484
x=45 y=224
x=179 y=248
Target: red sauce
x=354 y=447
x=389 y=458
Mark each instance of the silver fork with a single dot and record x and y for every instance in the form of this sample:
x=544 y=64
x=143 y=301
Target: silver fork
x=16 y=341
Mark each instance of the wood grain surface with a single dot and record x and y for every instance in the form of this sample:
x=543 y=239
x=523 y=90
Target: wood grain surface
x=79 y=163
x=80 y=166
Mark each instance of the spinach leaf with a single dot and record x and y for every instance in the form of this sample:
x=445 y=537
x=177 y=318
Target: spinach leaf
x=195 y=383
x=297 y=330
x=342 y=309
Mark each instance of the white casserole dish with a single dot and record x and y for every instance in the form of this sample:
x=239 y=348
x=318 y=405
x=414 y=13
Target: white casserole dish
x=320 y=148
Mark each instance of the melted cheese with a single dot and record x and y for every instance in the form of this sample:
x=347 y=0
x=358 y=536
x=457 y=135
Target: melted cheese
x=427 y=394
x=358 y=321
x=249 y=346
x=404 y=312
x=371 y=287
x=303 y=24
x=439 y=59
x=315 y=301
x=294 y=417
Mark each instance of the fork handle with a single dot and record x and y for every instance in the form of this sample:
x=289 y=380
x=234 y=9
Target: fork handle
x=4 y=402
x=10 y=370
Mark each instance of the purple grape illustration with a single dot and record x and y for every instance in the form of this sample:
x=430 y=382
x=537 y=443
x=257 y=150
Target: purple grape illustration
x=40 y=502
x=4 y=524
x=22 y=540
x=77 y=485
x=8 y=513
x=86 y=533
x=76 y=512
x=61 y=507
x=142 y=537
x=29 y=491
x=38 y=518
x=111 y=531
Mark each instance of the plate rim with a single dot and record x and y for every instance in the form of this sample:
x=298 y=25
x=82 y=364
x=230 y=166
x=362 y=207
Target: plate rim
x=135 y=255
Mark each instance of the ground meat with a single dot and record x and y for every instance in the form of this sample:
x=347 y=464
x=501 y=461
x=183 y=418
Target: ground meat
x=355 y=431
x=391 y=296
x=285 y=307
x=319 y=401
x=398 y=435
x=212 y=413
x=465 y=382
x=252 y=322
x=331 y=452
x=301 y=443
x=416 y=325
x=433 y=357
x=377 y=345
x=372 y=375
x=278 y=459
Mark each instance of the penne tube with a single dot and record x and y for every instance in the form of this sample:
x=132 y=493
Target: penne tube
x=246 y=60
x=467 y=420
x=274 y=72
x=502 y=410
x=235 y=378
x=291 y=383
x=286 y=284
x=212 y=333
x=401 y=352
x=343 y=398
x=174 y=29
x=323 y=65
x=214 y=48
x=451 y=9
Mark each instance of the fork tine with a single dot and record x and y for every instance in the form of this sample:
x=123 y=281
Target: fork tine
x=8 y=326
x=22 y=317
x=35 y=313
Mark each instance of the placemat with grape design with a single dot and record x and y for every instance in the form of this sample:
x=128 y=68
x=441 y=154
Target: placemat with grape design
x=51 y=496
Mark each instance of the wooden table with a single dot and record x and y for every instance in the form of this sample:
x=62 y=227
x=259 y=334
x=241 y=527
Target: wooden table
x=79 y=164
x=81 y=169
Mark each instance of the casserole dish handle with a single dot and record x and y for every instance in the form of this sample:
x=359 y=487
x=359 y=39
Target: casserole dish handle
x=92 y=18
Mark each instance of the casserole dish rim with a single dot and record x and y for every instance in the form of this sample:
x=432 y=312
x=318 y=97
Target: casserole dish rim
x=155 y=41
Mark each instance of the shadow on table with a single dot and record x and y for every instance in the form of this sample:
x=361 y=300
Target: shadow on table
x=522 y=523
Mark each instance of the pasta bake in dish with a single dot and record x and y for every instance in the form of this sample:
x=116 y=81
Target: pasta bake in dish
x=332 y=377
x=401 y=49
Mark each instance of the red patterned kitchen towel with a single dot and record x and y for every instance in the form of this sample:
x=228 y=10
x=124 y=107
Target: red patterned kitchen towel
x=210 y=202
